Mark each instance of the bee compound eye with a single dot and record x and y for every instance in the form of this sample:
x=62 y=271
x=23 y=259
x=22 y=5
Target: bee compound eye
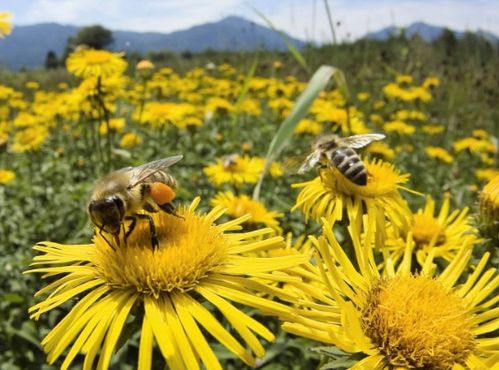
x=119 y=204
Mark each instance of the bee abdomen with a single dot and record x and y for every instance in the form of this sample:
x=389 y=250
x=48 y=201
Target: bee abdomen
x=164 y=178
x=348 y=162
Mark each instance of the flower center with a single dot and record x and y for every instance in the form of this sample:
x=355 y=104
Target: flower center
x=425 y=228
x=189 y=248
x=417 y=323
x=96 y=57
x=382 y=179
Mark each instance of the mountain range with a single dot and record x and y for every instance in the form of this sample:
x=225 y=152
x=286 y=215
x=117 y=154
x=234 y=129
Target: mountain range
x=27 y=46
x=426 y=31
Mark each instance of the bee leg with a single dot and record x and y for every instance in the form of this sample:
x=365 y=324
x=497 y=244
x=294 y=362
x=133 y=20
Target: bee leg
x=170 y=209
x=131 y=227
x=152 y=228
x=101 y=233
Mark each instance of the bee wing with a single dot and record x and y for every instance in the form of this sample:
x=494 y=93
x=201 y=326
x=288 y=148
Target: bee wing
x=141 y=173
x=360 y=141
x=292 y=164
x=310 y=161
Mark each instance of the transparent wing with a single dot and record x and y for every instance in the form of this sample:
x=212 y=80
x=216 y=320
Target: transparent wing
x=146 y=170
x=310 y=161
x=292 y=164
x=360 y=141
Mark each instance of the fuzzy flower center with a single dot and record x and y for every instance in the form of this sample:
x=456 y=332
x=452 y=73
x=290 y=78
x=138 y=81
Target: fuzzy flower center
x=417 y=323
x=189 y=249
x=382 y=179
x=97 y=57
x=425 y=228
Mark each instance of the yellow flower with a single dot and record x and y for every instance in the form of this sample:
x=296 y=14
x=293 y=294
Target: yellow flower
x=332 y=195
x=5 y=24
x=32 y=85
x=379 y=104
x=486 y=174
x=443 y=235
x=219 y=106
x=410 y=114
x=376 y=118
x=7 y=176
x=397 y=319
x=480 y=134
x=161 y=114
x=238 y=206
x=130 y=140
x=234 y=169
x=115 y=125
x=251 y=107
x=487 y=159
x=88 y=63
x=489 y=201
x=277 y=64
x=29 y=139
x=381 y=149
x=144 y=65
x=363 y=96
x=433 y=129
x=197 y=262
x=474 y=145
x=308 y=126
x=439 y=153
x=280 y=106
x=399 y=127
x=431 y=82
x=404 y=79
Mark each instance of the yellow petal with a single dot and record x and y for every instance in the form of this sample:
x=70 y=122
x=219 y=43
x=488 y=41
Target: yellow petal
x=197 y=338
x=146 y=345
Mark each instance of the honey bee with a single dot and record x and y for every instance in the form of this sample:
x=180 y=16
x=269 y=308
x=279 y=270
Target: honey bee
x=334 y=151
x=122 y=194
x=229 y=160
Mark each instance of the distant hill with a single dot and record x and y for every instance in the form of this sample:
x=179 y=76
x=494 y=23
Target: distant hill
x=27 y=46
x=426 y=31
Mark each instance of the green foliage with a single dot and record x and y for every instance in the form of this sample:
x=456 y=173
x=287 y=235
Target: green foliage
x=96 y=37
x=48 y=198
x=51 y=61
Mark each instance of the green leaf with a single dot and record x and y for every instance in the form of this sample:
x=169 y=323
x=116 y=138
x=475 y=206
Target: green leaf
x=12 y=298
x=317 y=83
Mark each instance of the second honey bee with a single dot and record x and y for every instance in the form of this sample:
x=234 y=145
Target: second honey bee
x=335 y=151
x=123 y=194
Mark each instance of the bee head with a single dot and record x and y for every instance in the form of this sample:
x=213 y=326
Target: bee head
x=107 y=213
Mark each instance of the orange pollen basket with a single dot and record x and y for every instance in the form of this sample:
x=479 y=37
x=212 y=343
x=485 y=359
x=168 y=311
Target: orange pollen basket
x=162 y=193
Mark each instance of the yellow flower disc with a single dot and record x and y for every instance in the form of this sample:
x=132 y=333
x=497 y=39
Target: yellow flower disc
x=189 y=248
x=95 y=63
x=332 y=193
x=417 y=323
x=425 y=228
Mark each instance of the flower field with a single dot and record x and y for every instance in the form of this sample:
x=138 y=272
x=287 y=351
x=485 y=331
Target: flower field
x=257 y=266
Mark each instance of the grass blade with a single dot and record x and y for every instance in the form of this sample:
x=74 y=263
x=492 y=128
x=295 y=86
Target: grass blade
x=292 y=49
x=317 y=83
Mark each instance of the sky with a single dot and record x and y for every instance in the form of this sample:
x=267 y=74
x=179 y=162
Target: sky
x=304 y=19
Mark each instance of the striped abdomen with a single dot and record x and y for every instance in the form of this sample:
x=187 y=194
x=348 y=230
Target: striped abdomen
x=163 y=177
x=349 y=164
